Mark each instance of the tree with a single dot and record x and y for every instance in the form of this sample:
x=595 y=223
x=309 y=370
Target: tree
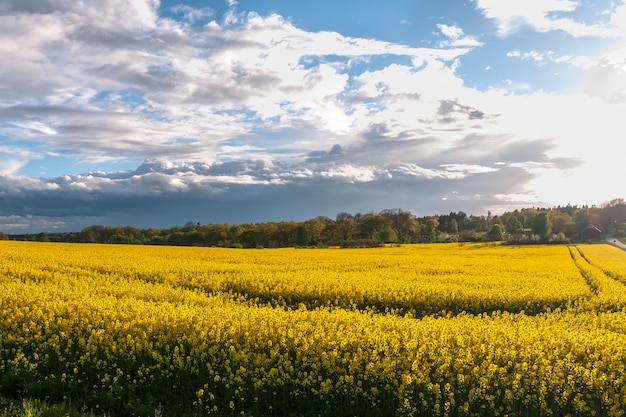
x=541 y=225
x=495 y=233
x=302 y=235
x=429 y=229
x=345 y=229
x=343 y=216
x=92 y=234
x=216 y=234
x=315 y=230
x=527 y=217
x=250 y=237
x=403 y=223
x=581 y=218
x=477 y=223
x=285 y=234
x=562 y=223
x=454 y=227
x=3 y=236
x=614 y=216
x=387 y=235
x=372 y=223
x=513 y=225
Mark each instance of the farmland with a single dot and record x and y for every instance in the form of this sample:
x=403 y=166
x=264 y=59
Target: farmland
x=429 y=330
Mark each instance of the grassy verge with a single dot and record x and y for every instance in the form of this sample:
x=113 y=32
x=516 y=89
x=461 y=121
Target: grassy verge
x=36 y=408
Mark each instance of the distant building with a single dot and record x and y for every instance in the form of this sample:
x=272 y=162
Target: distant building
x=591 y=232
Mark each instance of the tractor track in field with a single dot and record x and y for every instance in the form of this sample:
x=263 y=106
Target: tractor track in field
x=576 y=254
x=609 y=274
x=609 y=291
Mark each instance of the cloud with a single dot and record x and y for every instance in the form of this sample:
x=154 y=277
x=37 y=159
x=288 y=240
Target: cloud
x=323 y=156
x=10 y=166
x=221 y=193
x=606 y=74
x=13 y=157
x=548 y=15
x=457 y=37
x=122 y=92
x=532 y=55
x=191 y=14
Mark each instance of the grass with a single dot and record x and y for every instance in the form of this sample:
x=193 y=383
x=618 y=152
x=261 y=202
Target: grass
x=36 y=408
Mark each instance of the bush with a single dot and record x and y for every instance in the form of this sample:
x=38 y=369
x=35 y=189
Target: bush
x=558 y=238
x=523 y=239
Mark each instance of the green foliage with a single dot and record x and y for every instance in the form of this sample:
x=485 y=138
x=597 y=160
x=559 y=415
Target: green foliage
x=429 y=229
x=454 y=226
x=42 y=237
x=541 y=225
x=558 y=238
x=386 y=235
x=495 y=233
x=513 y=225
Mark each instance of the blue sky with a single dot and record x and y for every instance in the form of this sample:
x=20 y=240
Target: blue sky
x=154 y=113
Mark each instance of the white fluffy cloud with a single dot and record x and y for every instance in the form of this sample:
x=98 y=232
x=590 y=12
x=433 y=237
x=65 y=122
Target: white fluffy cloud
x=101 y=90
x=547 y=15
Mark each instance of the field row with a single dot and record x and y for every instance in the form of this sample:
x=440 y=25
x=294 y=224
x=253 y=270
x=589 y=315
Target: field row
x=418 y=280
x=606 y=281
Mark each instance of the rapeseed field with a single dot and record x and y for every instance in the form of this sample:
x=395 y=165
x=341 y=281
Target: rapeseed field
x=415 y=330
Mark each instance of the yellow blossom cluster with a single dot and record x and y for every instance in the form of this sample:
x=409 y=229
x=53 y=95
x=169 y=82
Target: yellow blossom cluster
x=220 y=331
x=415 y=279
x=610 y=259
x=604 y=277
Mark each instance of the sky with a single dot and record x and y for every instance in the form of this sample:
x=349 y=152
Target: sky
x=156 y=113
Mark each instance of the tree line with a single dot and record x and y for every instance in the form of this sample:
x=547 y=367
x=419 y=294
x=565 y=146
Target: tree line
x=529 y=225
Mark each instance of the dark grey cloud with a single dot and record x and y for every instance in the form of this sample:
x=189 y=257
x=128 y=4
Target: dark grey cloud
x=102 y=37
x=29 y=112
x=377 y=131
x=490 y=149
x=162 y=194
x=451 y=110
x=35 y=6
x=325 y=156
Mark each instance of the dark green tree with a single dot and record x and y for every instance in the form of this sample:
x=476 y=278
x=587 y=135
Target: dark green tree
x=495 y=233
x=403 y=223
x=561 y=222
x=302 y=235
x=477 y=223
x=372 y=223
x=541 y=225
x=614 y=216
x=387 y=235
x=454 y=227
x=345 y=229
x=513 y=225
x=429 y=229
x=315 y=230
